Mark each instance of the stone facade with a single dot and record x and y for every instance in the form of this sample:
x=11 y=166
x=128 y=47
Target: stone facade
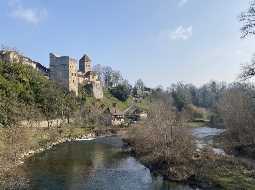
x=87 y=76
x=15 y=57
x=85 y=64
x=98 y=90
x=63 y=70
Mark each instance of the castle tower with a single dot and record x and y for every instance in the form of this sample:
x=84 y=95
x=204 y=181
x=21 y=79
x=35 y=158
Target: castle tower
x=63 y=70
x=85 y=64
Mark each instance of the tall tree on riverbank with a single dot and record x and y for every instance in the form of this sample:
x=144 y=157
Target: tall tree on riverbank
x=248 y=29
x=163 y=143
x=248 y=20
x=236 y=107
x=248 y=70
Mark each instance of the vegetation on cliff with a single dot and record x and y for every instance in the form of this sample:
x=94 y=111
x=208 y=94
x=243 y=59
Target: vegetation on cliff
x=26 y=94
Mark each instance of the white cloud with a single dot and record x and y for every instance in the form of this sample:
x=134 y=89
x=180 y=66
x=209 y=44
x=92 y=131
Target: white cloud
x=181 y=33
x=29 y=15
x=182 y=2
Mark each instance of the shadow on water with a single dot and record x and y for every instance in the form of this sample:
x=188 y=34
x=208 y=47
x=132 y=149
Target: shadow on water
x=92 y=165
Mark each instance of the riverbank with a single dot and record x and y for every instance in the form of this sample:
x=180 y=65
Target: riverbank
x=241 y=150
x=204 y=169
x=21 y=143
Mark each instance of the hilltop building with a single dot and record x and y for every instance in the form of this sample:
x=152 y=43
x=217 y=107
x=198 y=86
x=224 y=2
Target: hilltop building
x=87 y=76
x=63 y=70
x=15 y=57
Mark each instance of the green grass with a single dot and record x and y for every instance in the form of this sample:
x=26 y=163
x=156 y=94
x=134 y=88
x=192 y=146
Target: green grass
x=144 y=104
x=226 y=173
x=193 y=124
x=109 y=100
x=231 y=179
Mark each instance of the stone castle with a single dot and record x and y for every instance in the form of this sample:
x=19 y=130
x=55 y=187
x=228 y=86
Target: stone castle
x=63 y=70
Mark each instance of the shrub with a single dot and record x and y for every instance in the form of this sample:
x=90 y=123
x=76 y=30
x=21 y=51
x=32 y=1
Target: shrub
x=120 y=92
x=237 y=110
x=24 y=91
x=163 y=144
x=88 y=89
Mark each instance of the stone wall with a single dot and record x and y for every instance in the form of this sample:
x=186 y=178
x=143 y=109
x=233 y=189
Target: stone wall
x=73 y=78
x=87 y=76
x=63 y=70
x=97 y=90
x=85 y=64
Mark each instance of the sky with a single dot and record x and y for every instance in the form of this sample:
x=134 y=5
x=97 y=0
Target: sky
x=160 y=41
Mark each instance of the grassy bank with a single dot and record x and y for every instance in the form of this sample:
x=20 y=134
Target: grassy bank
x=108 y=101
x=199 y=169
x=225 y=173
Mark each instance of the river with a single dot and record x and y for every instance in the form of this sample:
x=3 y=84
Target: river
x=204 y=137
x=99 y=164
x=92 y=165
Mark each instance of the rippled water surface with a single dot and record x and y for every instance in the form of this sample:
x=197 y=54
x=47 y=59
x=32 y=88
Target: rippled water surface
x=204 y=132
x=204 y=136
x=92 y=165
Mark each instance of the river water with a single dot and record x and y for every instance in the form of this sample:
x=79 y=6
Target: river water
x=99 y=165
x=92 y=165
x=204 y=137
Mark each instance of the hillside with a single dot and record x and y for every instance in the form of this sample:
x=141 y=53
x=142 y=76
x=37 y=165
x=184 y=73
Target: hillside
x=26 y=94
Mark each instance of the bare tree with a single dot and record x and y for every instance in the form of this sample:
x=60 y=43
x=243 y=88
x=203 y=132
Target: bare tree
x=164 y=143
x=236 y=109
x=248 y=28
x=248 y=20
x=248 y=70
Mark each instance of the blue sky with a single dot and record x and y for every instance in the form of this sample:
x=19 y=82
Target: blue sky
x=160 y=41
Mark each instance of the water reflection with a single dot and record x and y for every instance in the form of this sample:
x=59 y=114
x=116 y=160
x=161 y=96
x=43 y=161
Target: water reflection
x=92 y=165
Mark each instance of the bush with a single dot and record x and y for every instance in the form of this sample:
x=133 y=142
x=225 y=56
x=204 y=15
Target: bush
x=163 y=144
x=88 y=89
x=237 y=110
x=193 y=113
x=121 y=92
